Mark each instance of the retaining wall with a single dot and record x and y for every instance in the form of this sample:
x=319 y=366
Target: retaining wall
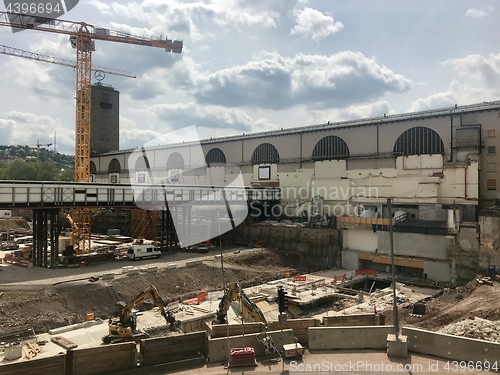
x=369 y=337
x=354 y=320
x=44 y=366
x=173 y=348
x=103 y=359
x=451 y=347
x=218 y=349
x=299 y=327
x=221 y=330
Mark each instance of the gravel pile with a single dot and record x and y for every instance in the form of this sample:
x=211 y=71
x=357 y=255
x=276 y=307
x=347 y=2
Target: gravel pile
x=476 y=328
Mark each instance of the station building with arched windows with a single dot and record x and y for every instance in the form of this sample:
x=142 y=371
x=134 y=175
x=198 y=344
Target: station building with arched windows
x=438 y=168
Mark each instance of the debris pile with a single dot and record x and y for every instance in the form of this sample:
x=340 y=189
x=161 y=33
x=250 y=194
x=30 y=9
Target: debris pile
x=475 y=328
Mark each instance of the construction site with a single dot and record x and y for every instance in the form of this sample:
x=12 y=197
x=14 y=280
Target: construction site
x=265 y=252
x=226 y=302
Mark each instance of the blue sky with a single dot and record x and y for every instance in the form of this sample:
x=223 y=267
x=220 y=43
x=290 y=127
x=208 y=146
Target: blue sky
x=250 y=66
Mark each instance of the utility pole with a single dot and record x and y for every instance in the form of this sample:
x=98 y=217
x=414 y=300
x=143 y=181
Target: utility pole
x=395 y=315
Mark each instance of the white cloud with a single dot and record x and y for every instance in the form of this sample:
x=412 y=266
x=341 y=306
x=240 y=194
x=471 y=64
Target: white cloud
x=314 y=24
x=28 y=128
x=277 y=82
x=477 y=13
x=483 y=69
x=434 y=101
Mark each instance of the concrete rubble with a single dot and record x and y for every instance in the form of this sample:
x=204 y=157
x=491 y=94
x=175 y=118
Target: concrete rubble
x=476 y=328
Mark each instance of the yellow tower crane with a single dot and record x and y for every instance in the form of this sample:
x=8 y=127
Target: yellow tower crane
x=11 y=51
x=82 y=36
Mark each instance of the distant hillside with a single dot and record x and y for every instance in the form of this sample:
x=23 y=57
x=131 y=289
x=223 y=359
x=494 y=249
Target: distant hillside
x=23 y=163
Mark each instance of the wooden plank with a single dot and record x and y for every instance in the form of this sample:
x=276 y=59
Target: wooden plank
x=386 y=260
x=64 y=342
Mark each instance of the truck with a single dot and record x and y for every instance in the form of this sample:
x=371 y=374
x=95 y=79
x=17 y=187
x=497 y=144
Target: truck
x=136 y=252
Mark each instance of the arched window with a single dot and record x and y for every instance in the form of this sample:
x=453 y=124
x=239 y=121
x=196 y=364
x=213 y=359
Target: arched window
x=330 y=148
x=419 y=141
x=175 y=161
x=265 y=153
x=142 y=164
x=93 y=168
x=114 y=166
x=215 y=157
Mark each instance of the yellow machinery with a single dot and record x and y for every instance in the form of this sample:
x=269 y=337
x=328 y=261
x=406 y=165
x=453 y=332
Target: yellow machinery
x=82 y=36
x=124 y=328
x=249 y=308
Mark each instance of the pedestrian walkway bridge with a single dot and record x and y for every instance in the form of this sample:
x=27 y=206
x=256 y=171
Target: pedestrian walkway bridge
x=36 y=194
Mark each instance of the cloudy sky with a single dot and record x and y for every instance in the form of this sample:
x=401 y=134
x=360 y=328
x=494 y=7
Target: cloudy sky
x=250 y=66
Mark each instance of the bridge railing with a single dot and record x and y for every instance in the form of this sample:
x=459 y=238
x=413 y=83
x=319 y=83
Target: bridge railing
x=24 y=194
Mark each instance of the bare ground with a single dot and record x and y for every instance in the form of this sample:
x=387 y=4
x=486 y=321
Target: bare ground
x=58 y=305
x=54 y=306
x=455 y=304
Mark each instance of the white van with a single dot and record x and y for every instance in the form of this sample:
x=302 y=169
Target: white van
x=136 y=252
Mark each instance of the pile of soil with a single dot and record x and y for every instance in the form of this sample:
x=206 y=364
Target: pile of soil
x=456 y=304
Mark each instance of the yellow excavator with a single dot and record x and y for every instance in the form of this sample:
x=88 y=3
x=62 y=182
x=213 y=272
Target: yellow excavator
x=249 y=309
x=124 y=327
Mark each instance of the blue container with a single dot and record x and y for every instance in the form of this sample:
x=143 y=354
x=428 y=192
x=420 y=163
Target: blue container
x=492 y=270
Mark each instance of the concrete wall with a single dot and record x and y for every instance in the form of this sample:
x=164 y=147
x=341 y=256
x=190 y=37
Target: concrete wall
x=438 y=271
x=173 y=348
x=451 y=347
x=103 y=359
x=354 y=320
x=368 y=337
x=350 y=260
x=39 y=366
x=413 y=245
x=218 y=349
x=221 y=330
x=300 y=327
x=321 y=246
x=360 y=239
x=489 y=223
x=464 y=252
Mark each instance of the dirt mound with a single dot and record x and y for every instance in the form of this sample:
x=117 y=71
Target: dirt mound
x=263 y=258
x=467 y=302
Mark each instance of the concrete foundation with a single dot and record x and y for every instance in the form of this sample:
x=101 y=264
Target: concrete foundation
x=397 y=347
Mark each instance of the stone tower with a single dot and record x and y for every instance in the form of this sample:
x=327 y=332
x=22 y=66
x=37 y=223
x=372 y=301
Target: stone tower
x=104 y=119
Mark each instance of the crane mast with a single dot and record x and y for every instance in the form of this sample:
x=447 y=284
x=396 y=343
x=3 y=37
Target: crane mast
x=82 y=36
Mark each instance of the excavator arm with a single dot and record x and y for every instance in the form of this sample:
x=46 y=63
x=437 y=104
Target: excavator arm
x=150 y=291
x=235 y=293
x=124 y=327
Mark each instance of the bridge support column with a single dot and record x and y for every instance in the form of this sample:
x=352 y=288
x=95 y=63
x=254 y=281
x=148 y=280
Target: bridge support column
x=168 y=235
x=45 y=223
